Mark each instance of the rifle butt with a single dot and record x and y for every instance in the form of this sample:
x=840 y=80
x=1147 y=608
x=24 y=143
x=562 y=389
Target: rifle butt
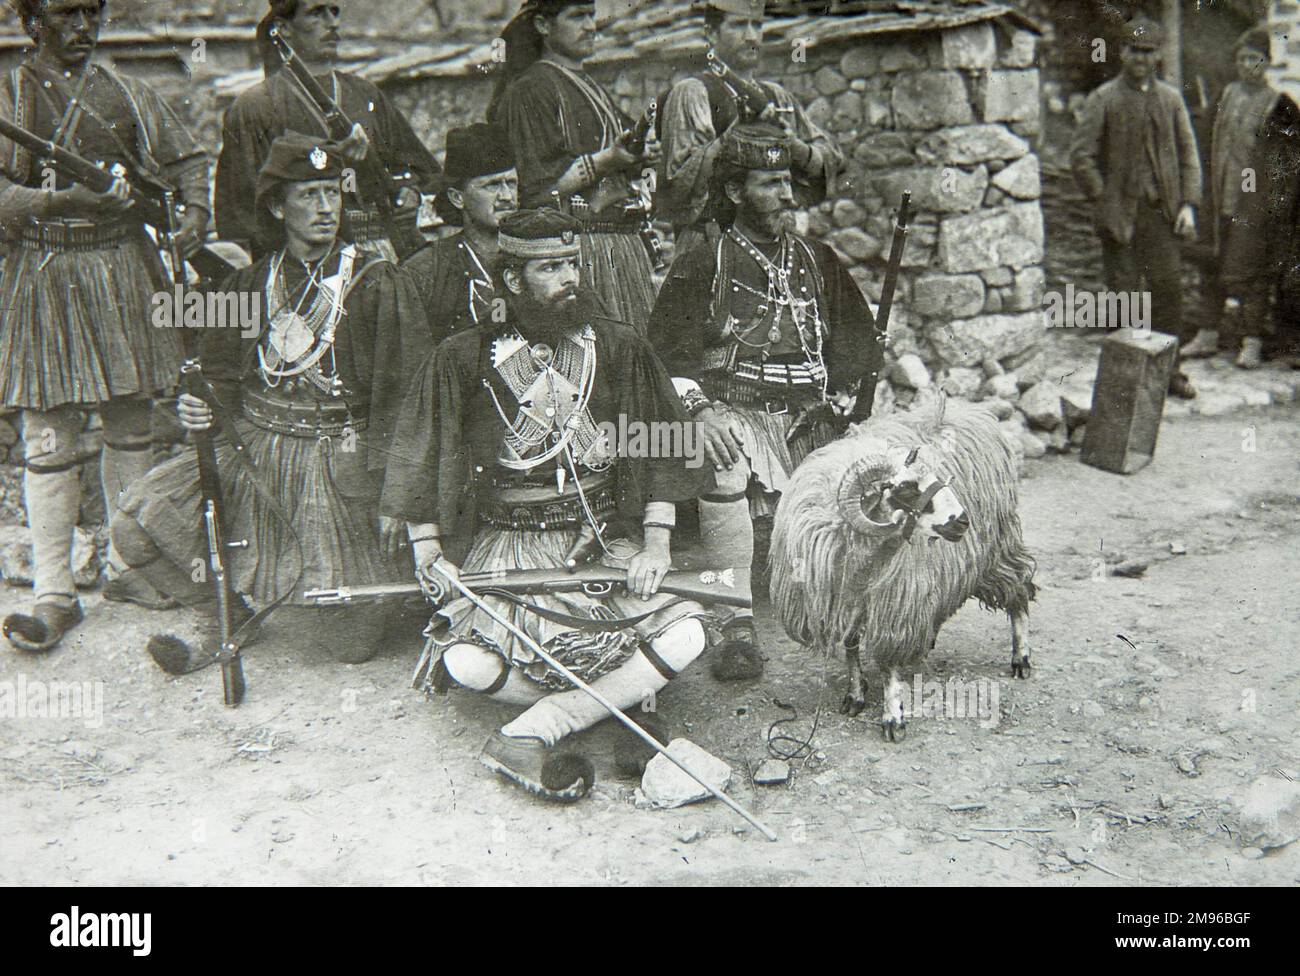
x=232 y=681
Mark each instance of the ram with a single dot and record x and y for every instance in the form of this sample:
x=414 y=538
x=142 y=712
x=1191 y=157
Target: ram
x=882 y=535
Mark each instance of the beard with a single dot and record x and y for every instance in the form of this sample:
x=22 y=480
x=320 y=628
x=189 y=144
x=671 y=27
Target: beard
x=548 y=321
x=771 y=223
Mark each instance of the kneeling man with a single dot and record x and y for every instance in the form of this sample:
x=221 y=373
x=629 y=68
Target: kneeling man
x=312 y=394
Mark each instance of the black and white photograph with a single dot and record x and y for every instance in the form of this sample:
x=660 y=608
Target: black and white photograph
x=647 y=443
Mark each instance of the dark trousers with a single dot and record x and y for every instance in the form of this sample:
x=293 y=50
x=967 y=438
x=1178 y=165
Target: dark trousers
x=1254 y=318
x=1152 y=256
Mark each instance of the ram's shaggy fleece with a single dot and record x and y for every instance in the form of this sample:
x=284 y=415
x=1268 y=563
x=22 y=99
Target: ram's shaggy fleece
x=830 y=582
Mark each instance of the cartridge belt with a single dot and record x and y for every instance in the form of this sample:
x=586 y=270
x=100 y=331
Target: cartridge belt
x=302 y=419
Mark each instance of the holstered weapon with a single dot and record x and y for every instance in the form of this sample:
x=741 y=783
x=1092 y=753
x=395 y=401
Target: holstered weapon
x=725 y=587
x=862 y=408
x=154 y=199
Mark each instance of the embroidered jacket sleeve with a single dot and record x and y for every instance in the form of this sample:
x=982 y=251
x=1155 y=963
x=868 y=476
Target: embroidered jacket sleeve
x=854 y=349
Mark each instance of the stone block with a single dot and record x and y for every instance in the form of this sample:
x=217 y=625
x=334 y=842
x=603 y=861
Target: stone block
x=948 y=296
x=989 y=239
x=931 y=100
x=968 y=342
x=1020 y=179
x=1007 y=96
x=969 y=144
x=971 y=47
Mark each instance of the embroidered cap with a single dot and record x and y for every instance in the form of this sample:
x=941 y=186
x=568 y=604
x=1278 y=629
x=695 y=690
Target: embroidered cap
x=1144 y=34
x=298 y=158
x=533 y=234
x=756 y=145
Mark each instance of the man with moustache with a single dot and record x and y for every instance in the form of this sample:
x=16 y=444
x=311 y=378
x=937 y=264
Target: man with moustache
x=278 y=104
x=700 y=109
x=456 y=275
x=768 y=337
x=503 y=435
x=1135 y=156
x=75 y=332
x=313 y=397
x=567 y=133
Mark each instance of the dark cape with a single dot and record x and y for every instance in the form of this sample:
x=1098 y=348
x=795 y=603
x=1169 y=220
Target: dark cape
x=683 y=325
x=451 y=434
x=443 y=272
x=273 y=107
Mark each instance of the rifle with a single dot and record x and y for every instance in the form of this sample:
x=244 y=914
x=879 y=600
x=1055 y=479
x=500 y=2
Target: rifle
x=861 y=409
x=710 y=586
x=634 y=140
x=155 y=206
x=754 y=96
x=338 y=127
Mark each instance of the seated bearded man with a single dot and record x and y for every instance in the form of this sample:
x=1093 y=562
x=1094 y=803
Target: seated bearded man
x=506 y=422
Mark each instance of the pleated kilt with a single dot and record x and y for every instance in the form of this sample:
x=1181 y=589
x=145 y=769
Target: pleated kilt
x=772 y=458
x=331 y=502
x=76 y=327
x=617 y=268
x=589 y=654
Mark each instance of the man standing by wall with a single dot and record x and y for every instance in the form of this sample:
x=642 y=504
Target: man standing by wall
x=1253 y=161
x=701 y=108
x=1135 y=155
x=567 y=133
x=279 y=104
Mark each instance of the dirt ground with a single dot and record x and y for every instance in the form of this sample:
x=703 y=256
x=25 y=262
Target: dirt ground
x=1152 y=701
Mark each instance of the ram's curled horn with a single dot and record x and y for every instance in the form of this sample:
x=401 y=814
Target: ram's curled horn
x=862 y=490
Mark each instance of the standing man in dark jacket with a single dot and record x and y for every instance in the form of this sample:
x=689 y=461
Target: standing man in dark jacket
x=1135 y=156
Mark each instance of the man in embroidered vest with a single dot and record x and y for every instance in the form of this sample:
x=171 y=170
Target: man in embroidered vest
x=278 y=104
x=700 y=109
x=1135 y=157
x=1253 y=187
x=768 y=337
x=312 y=392
x=456 y=274
x=77 y=285
x=567 y=134
x=504 y=433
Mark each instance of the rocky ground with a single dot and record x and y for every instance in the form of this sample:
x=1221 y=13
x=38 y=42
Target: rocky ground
x=1156 y=743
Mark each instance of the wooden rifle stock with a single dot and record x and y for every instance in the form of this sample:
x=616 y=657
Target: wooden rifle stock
x=154 y=200
x=862 y=408
x=710 y=586
x=755 y=97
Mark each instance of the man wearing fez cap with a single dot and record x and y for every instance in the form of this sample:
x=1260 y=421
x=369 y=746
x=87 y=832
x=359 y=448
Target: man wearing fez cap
x=1135 y=155
x=566 y=130
x=277 y=105
x=700 y=109
x=1255 y=231
x=456 y=275
x=767 y=336
x=311 y=386
x=506 y=444
x=75 y=324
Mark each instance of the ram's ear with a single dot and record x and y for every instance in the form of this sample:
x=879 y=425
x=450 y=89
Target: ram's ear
x=912 y=456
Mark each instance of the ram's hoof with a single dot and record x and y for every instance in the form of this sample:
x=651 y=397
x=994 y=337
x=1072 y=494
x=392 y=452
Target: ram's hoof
x=1020 y=669
x=893 y=730
x=852 y=706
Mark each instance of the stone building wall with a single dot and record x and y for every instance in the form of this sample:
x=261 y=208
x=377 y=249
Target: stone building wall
x=950 y=115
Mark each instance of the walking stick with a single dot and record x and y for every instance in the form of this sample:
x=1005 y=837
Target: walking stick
x=604 y=702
